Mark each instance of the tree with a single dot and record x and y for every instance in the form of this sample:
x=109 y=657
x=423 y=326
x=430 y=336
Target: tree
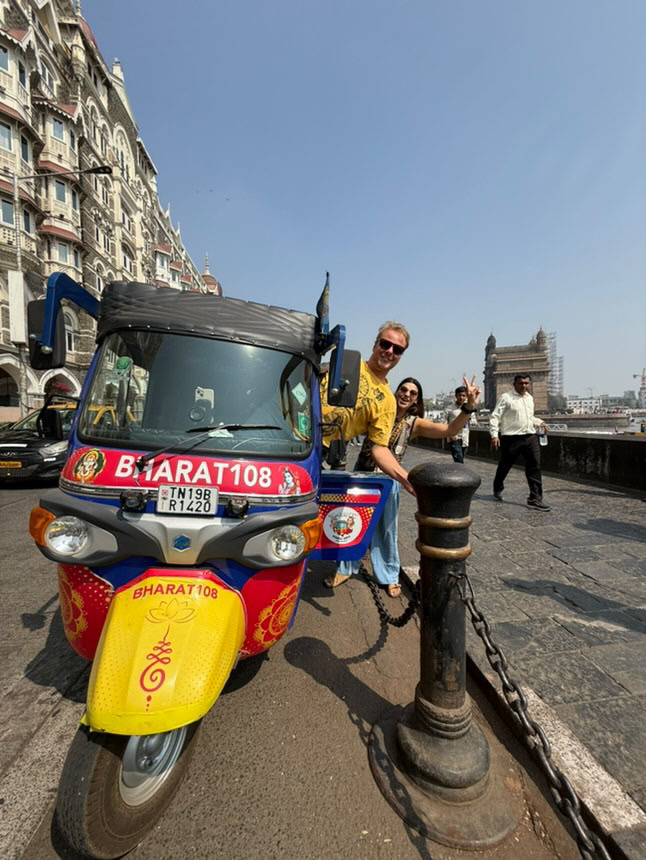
x=556 y=403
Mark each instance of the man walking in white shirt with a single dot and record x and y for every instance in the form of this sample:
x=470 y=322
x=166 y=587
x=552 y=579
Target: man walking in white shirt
x=513 y=430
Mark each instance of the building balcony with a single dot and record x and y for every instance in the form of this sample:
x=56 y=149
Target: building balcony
x=57 y=155
x=28 y=241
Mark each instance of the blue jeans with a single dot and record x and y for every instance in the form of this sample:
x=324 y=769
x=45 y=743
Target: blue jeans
x=458 y=450
x=384 y=552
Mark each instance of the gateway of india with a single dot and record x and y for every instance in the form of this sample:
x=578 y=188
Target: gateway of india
x=502 y=363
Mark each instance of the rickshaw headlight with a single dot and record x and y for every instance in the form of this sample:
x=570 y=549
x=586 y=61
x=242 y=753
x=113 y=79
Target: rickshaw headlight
x=287 y=542
x=67 y=535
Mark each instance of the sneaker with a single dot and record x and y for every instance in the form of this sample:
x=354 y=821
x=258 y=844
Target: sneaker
x=498 y=497
x=538 y=504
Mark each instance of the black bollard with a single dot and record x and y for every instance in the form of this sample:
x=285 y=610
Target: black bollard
x=431 y=761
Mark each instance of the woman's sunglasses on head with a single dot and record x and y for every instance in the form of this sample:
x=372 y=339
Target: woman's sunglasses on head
x=387 y=344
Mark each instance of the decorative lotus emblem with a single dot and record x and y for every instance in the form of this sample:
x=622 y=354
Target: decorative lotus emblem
x=176 y=611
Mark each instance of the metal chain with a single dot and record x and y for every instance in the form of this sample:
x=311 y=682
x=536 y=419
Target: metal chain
x=565 y=797
x=407 y=614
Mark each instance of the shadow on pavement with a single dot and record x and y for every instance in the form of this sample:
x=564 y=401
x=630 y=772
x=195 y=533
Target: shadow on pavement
x=36 y=620
x=244 y=672
x=315 y=657
x=614 y=528
x=576 y=600
x=364 y=706
x=57 y=665
x=313 y=587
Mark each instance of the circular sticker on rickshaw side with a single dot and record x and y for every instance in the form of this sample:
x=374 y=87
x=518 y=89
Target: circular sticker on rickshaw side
x=342 y=525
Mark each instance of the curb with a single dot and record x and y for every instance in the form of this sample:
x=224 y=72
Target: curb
x=609 y=808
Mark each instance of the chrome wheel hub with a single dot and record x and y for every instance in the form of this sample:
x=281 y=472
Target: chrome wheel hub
x=146 y=764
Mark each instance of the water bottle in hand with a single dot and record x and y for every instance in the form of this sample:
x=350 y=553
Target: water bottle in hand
x=542 y=437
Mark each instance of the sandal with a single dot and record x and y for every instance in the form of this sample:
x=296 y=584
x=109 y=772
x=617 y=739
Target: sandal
x=394 y=589
x=334 y=580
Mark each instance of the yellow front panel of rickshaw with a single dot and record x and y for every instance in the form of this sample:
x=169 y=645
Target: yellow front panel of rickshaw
x=167 y=648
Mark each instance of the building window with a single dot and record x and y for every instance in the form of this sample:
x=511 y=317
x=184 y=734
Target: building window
x=77 y=259
x=26 y=221
x=97 y=234
x=59 y=129
x=75 y=201
x=22 y=75
x=7 y=212
x=127 y=220
x=128 y=263
x=47 y=76
x=105 y=194
x=70 y=332
x=5 y=135
x=62 y=252
x=60 y=190
x=162 y=262
x=72 y=140
x=106 y=243
x=24 y=148
x=4 y=58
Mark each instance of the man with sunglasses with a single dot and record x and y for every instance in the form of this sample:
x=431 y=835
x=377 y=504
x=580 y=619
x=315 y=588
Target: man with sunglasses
x=374 y=413
x=512 y=427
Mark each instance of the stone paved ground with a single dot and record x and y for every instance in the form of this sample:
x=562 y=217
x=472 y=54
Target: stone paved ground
x=565 y=593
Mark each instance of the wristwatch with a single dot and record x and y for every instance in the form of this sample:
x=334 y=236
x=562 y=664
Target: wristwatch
x=464 y=408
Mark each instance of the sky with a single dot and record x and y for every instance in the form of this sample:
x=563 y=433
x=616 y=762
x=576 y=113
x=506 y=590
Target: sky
x=461 y=166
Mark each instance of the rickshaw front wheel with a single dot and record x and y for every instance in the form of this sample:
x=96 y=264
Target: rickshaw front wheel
x=114 y=788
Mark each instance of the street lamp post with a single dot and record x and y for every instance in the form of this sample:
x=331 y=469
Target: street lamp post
x=16 y=284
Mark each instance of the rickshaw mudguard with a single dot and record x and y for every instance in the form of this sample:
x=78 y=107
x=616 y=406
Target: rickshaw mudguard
x=350 y=506
x=167 y=648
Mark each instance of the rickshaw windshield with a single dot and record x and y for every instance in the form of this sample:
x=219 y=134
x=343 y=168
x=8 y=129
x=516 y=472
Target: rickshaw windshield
x=160 y=390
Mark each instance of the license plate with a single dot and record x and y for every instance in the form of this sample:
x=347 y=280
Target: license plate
x=176 y=499
x=10 y=464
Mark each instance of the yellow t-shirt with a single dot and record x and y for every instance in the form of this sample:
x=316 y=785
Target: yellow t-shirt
x=373 y=414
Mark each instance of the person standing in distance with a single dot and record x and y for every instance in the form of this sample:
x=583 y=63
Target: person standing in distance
x=512 y=427
x=459 y=443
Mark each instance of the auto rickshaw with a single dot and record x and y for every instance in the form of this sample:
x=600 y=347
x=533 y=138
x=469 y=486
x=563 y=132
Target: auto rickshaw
x=182 y=527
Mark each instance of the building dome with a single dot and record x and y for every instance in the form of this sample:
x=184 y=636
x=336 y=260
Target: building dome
x=212 y=284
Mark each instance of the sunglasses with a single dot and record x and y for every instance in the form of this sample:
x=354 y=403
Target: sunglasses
x=386 y=345
x=412 y=391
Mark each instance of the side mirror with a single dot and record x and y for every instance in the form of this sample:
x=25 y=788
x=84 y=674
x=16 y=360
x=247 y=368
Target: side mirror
x=38 y=358
x=348 y=390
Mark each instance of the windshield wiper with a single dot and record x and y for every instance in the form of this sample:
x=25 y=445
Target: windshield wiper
x=140 y=462
x=233 y=427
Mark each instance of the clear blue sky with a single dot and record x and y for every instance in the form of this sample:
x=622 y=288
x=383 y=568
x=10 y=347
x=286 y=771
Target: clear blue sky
x=463 y=167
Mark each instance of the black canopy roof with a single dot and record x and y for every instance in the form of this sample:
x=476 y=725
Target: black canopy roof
x=126 y=305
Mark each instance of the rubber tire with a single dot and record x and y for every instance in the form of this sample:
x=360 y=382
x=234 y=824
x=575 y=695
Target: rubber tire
x=91 y=816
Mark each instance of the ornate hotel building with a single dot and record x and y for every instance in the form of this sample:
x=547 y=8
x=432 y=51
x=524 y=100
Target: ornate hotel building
x=62 y=111
x=502 y=363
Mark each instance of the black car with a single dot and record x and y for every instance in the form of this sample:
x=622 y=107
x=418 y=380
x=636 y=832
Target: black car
x=36 y=446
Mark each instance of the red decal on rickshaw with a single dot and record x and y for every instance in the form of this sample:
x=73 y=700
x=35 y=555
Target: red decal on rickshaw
x=153 y=676
x=270 y=597
x=89 y=466
x=343 y=525
x=85 y=599
x=118 y=469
